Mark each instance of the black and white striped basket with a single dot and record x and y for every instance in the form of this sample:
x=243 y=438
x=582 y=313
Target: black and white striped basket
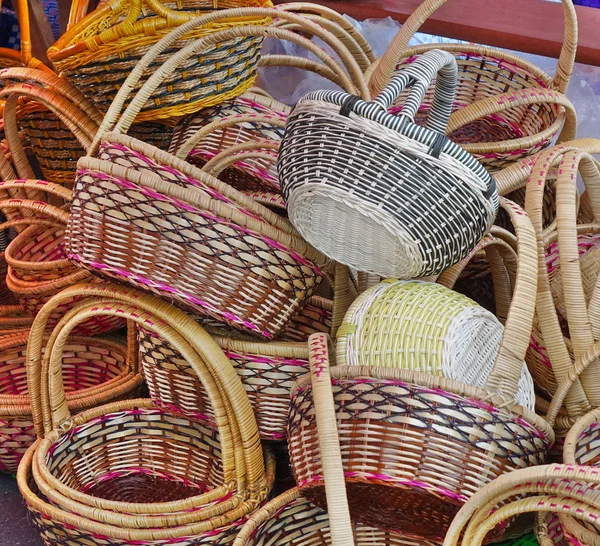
x=377 y=192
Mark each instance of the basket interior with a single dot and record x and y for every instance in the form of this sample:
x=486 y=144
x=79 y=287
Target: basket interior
x=41 y=244
x=86 y=363
x=141 y=456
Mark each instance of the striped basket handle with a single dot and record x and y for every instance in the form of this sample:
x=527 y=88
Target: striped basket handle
x=396 y=50
x=558 y=488
x=121 y=121
x=522 y=97
x=39 y=208
x=271 y=120
x=582 y=337
x=231 y=406
x=323 y=13
x=419 y=75
x=329 y=442
x=515 y=176
x=506 y=372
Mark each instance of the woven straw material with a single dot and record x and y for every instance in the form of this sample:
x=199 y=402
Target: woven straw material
x=98 y=54
x=189 y=248
x=291 y=520
x=57 y=121
x=267 y=371
x=95 y=371
x=426 y=328
x=467 y=446
x=59 y=527
x=505 y=108
x=159 y=441
x=562 y=246
x=251 y=174
x=363 y=186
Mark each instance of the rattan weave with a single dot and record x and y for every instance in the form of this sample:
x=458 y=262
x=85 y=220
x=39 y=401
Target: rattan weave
x=399 y=180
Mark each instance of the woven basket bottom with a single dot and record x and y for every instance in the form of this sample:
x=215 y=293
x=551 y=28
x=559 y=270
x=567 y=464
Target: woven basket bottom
x=415 y=512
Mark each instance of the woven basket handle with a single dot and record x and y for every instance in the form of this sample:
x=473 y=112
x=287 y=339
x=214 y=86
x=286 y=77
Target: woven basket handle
x=505 y=101
x=420 y=74
x=38 y=207
x=311 y=11
x=256 y=149
x=126 y=118
x=396 y=50
x=228 y=121
x=550 y=328
x=555 y=486
x=329 y=442
x=505 y=375
x=188 y=333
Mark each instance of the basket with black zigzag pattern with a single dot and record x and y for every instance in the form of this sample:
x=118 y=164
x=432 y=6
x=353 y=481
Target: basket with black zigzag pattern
x=378 y=192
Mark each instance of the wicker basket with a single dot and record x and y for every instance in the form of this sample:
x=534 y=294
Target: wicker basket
x=99 y=52
x=57 y=120
x=472 y=435
x=267 y=370
x=183 y=477
x=38 y=267
x=394 y=187
x=425 y=327
x=506 y=108
x=95 y=371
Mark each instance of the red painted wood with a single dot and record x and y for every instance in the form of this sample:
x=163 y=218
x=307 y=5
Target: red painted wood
x=532 y=26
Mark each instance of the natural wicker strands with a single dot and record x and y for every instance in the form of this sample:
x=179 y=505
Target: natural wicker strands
x=252 y=174
x=94 y=370
x=499 y=117
x=267 y=371
x=427 y=328
x=99 y=53
x=216 y=266
x=291 y=520
x=371 y=215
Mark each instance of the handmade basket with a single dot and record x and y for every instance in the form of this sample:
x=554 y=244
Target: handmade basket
x=95 y=371
x=425 y=327
x=506 y=108
x=99 y=52
x=38 y=267
x=150 y=474
x=57 y=120
x=472 y=435
x=399 y=181
x=267 y=370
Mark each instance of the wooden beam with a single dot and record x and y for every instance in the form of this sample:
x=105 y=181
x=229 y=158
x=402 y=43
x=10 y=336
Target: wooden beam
x=530 y=26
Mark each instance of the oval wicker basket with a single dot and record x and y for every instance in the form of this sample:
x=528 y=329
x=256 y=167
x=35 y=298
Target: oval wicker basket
x=506 y=108
x=101 y=50
x=399 y=180
x=206 y=478
x=472 y=435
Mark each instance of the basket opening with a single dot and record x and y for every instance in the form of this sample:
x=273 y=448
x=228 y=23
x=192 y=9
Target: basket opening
x=149 y=455
x=85 y=365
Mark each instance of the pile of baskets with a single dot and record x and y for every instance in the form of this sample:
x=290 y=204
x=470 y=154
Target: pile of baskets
x=368 y=319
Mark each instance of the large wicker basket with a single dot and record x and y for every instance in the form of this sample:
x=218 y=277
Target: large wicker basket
x=506 y=108
x=183 y=477
x=472 y=435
